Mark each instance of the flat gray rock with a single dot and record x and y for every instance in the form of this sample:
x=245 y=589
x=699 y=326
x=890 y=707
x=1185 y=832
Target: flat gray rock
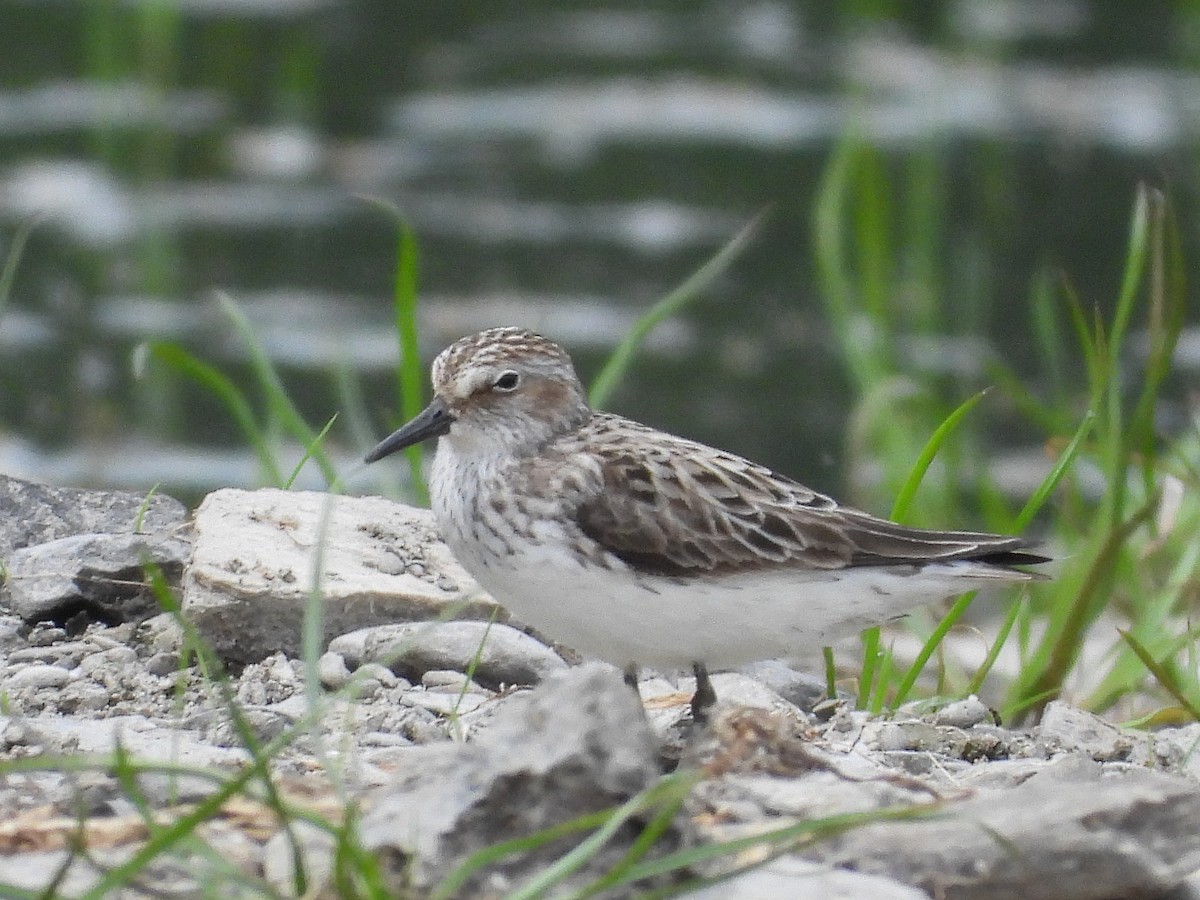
x=792 y=878
x=1131 y=834
x=575 y=745
x=101 y=574
x=33 y=513
x=505 y=655
x=256 y=555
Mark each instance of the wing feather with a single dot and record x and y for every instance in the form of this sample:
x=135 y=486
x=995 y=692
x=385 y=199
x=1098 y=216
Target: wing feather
x=684 y=508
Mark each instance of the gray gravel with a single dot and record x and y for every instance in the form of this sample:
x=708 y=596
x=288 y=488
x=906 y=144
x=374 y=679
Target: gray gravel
x=441 y=765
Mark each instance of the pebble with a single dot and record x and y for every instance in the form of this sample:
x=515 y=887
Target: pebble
x=115 y=658
x=449 y=681
x=444 y=704
x=45 y=634
x=332 y=670
x=163 y=664
x=316 y=847
x=39 y=677
x=378 y=673
x=964 y=713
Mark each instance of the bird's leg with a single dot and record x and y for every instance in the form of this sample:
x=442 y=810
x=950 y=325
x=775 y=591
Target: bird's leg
x=705 y=696
x=631 y=678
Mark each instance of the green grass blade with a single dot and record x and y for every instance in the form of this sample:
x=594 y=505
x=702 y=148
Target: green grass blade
x=9 y=273
x=830 y=673
x=1140 y=239
x=956 y=612
x=279 y=404
x=451 y=886
x=1162 y=674
x=411 y=376
x=650 y=834
x=1006 y=627
x=779 y=840
x=692 y=288
x=1064 y=647
x=308 y=453
x=1061 y=466
x=183 y=362
x=917 y=474
x=870 y=664
x=588 y=848
x=411 y=373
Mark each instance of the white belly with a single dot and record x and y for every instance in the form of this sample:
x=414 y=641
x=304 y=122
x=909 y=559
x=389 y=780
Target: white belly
x=668 y=623
x=604 y=609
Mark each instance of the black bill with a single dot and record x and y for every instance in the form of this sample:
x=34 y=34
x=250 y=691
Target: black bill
x=433 y=421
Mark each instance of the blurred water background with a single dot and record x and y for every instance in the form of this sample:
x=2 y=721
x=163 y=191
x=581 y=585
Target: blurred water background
x=563 y=165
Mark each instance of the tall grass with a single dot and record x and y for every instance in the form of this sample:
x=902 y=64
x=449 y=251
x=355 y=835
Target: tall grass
x=1129 y=560
x=1104 y=421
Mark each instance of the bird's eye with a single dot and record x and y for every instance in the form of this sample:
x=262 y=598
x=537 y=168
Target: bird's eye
x=507 y=381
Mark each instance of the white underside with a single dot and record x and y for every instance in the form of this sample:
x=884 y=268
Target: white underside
x=668 y=623
x=610 y=612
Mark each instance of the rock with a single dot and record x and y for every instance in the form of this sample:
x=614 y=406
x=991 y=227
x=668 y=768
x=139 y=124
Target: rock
x=449 y=682
x=802 y=689
x=162 y=633
x=1183 y=743
x=576 y=745
x=31 y=873
x=445 y=704
x=316 y=846
x=162 y=664
x=37 y=513
x=1050 y=838
x=332 y=670
x=1076 y=729
x=412 y=649
x=251 y=574
x=965 y=713
x=380 y=674
x=792 y=878
x=101 y=574
x=37 y=677
x=738 y=689
x=100 y=665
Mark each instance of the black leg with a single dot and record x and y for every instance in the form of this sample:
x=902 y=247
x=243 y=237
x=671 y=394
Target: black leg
x=705 y=696
x=631 y=678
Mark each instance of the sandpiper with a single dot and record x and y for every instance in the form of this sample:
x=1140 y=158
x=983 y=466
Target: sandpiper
x=643 y=548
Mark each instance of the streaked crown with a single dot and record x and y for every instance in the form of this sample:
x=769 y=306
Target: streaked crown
x=510 y=380
x=497 y=347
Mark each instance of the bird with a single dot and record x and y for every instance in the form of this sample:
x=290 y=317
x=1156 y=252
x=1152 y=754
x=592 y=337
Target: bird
x=646 y=549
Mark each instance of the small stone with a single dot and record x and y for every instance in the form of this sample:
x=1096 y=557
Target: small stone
x=44 y=634
x=118 y=658
x=909 y=735
x=378 y=673
x=316 y=847
x=162 y=632
x=802 y=689
x=965 y=713
x=332 y=670
x=162 y=664
x=444 y=704
x=499 y=653
x=39 y=677
x=1076 y=729
x=449 y=681
x=84 y=697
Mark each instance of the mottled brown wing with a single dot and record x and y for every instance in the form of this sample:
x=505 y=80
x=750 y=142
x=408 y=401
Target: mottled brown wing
x=670 y=506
